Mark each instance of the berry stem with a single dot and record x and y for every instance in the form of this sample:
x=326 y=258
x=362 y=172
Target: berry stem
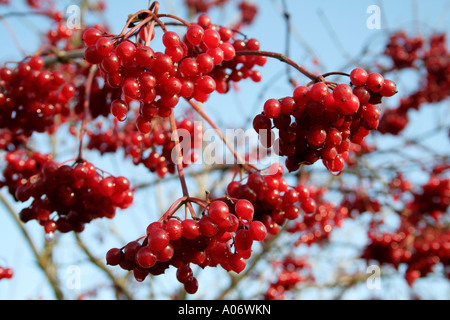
x=335 y=74
x=153 y=17
x=155 y=7
x=87 y=98
x=174 y=208
x=239 y=159
x=187 y=24
x=282 y=58
x=131 y=20
x=176 y=138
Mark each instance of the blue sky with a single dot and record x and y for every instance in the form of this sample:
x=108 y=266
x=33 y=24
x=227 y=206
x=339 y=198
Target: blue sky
x=331 y=31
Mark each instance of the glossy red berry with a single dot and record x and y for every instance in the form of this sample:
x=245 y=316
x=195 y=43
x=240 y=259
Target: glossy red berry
x=244 y=210
x=319 y=91
x=145 y=257
x=272 y=108
x=158 y=239
x=194 y=34
x=358 y=77
x=375 y=82
x=257 y=231
x=218 y=211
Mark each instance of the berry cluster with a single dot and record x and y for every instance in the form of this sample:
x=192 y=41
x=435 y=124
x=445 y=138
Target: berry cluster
x=31 y=97
x=10 y=141
x=275 y=202
x=20 y=167
x=403 y=50
x=60 y=35
x=421 y=248
x=289 y=276
x=6 y=273
x=99 y=96
x=154 y=150
x=223 y=236
x=203 y=6
x=434 y=58
x=433 y=200
x=398 y=186
x=249 y=11
x=359 y=202
x=192 y=67
x=318 y=124
x=422 y=240
x=316 y=228
x=388 y=248
x=76 y=194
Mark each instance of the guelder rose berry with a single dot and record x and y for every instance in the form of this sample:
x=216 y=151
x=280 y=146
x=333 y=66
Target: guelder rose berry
x=193 y=66
x=216 y=238
x=76 y=194
x=320 y=121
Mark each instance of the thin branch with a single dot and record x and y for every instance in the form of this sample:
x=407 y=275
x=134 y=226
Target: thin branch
x=238 y=158
x=281 y=57
x=117 y=283
x=44 y=264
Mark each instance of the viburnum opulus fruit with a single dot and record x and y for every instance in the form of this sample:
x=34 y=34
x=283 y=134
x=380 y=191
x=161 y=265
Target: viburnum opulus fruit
x=33 y=97
x=65 y=198
x=223 y=236
x=191 y=66
x=320 y=121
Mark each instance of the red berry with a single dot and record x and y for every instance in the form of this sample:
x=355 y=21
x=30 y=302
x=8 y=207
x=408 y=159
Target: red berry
x=257 y=231
x=171 y=39
x=191 y=285
x=184 y=273
x=207 y=227
x=309 y=205
x=350 y=106
x=218 y=211
x=272 y=108
x=237 y=263
x=158 y=239
x=194 y=34
x=91 y=36
x=206 y=84
x=191 y=229
x=145 y=257
x=126 y=51
x=319 y=91
x=316 y=135
x=113 y=256
x=244 y=210
x=358 y=77
x=389 y=88
x=104 y=46
x=342 y=92
x=211 y=38
x=243 y=240
x=189 y=67
x=375 y=82
x=174 y=228
x=119 y=109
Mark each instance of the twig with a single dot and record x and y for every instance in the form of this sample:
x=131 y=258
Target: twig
x=118 y=284
x=44 y=264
